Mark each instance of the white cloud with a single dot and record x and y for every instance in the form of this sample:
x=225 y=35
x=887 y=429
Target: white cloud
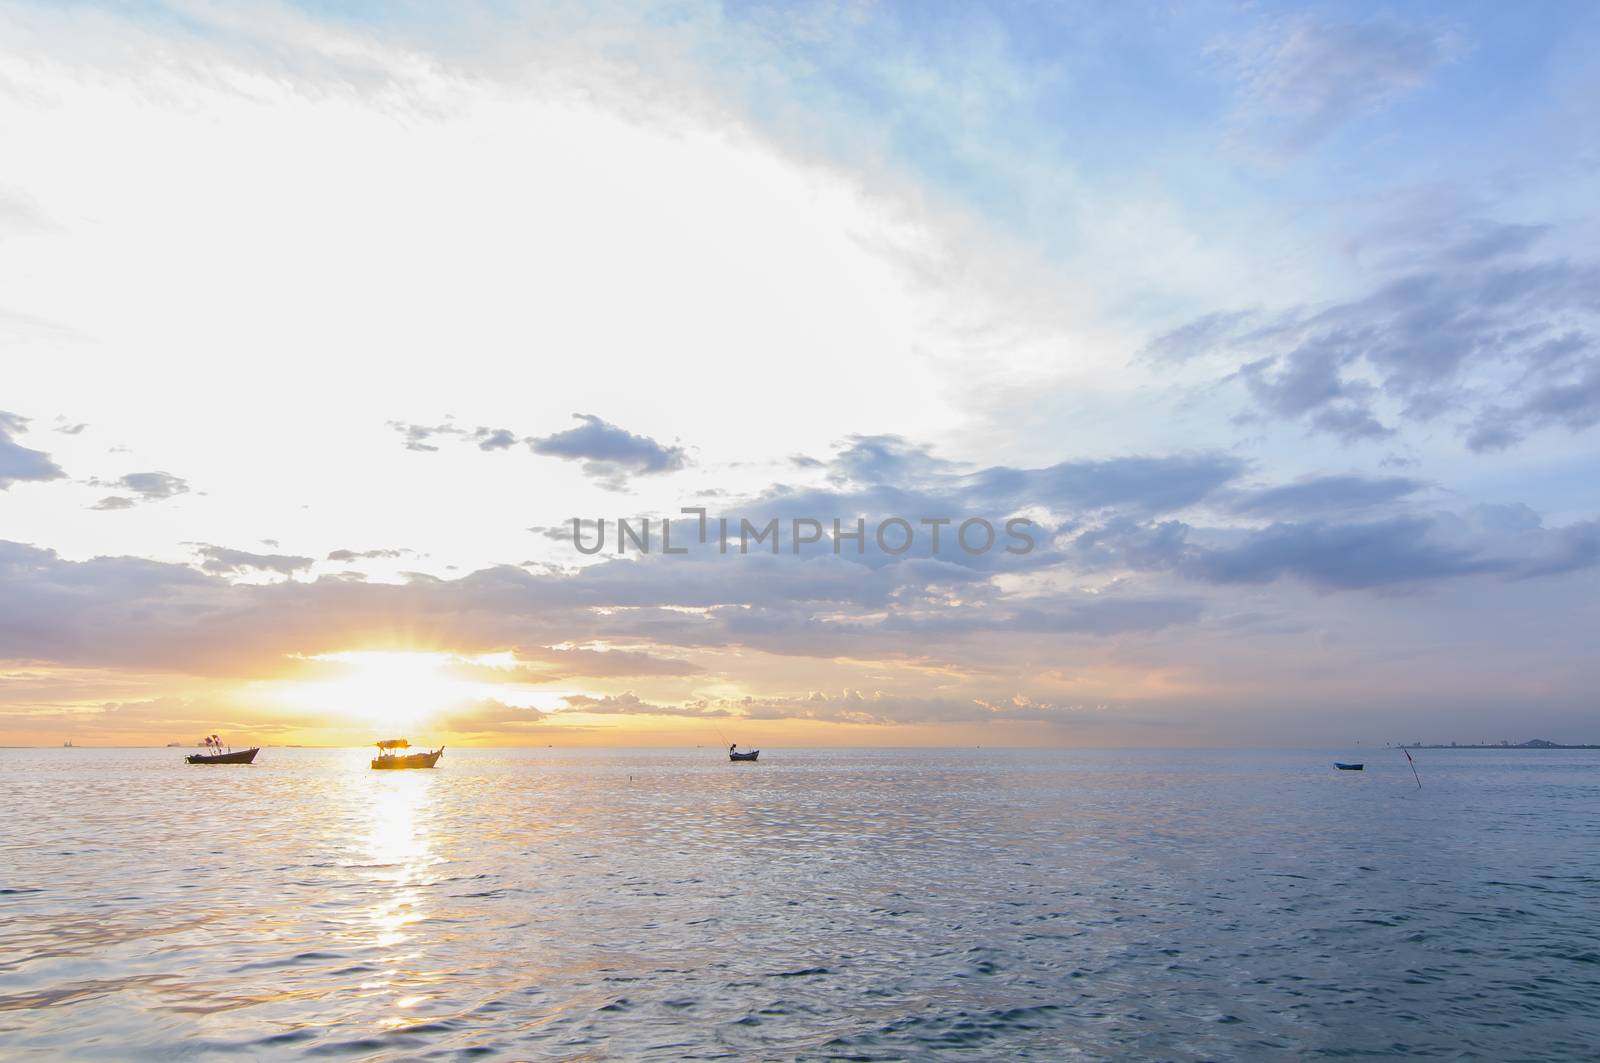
x=280 y=235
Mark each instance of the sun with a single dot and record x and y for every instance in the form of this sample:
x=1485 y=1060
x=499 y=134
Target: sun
x=392 y=690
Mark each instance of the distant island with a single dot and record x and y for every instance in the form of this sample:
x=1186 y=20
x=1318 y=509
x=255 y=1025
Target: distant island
x=1532 y=743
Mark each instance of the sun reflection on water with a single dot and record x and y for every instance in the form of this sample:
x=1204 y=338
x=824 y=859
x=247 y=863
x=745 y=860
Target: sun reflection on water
x=400 y=850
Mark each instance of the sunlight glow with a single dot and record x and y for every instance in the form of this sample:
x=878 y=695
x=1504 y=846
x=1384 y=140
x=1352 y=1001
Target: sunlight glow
x=392 y=690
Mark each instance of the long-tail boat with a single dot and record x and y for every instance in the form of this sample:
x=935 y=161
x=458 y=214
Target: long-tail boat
x=217 y=753
x=387 y=758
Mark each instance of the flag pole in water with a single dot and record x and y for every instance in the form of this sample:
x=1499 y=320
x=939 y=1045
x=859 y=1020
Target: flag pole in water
x=1413 y=764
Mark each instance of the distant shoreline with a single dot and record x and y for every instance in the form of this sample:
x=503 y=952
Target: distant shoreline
x=1520 y=745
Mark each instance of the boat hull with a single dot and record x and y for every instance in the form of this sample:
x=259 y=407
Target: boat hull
x=1348 y=767
x=412 y=760
x=243 y=756
x=744 y=756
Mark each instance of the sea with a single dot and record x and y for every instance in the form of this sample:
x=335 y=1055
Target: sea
x=852 y=904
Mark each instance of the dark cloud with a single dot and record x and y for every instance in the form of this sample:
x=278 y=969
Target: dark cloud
x=882 y=476
x=1124 y=542
x=1471 y=331
x=1397 y=552
x=222 y=561
x=1401 y=551
x=1573 y=403
x=1323 y=494
x=1136 y=484
x=133 y=613
x=19 y=463
x=494 y=438
x=608 y=453
x=145 y=486
x=364 y=555
x=886 y=459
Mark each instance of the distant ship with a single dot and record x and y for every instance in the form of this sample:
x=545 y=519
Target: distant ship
x=67 y=744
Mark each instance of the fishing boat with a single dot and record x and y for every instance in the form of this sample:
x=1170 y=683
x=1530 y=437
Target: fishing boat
x=242 y=756
x=388 y=758
x=217 y=753
x=1342 y=766
x=752 y=755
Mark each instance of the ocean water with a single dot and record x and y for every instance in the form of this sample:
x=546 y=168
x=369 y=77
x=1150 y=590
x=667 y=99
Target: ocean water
x=822 y=904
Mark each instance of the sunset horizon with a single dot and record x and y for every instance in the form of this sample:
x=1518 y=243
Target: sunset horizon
x=799 y=529
x=1293 y=479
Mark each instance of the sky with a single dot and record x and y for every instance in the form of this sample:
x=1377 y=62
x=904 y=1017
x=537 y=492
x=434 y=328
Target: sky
x=320 y=324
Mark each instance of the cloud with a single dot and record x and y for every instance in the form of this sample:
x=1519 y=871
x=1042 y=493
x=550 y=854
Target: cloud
x=878 y=708
x=154 y=485
x=222 y=561
x=148 y=486
x=610 y=454
x=18 y=463
x=1500 y=344
x=1575 y=547
x=882 y=708
x=1396 y=552
x=1197 y=337
x=881 y=476
x=1316 y=495
x=1300 y=79
x=588 y=528
x=364 y=555
x=629 y=704
x=553 y=663
x=1137 y=484
x=494 y=438
x=490 y=717
x=1573 y=403
x=417 y=436
x=422 y=437
x=1407 y=550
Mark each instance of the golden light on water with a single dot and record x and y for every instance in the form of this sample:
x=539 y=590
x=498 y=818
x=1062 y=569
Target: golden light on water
x=399 y=852
x=399 y=847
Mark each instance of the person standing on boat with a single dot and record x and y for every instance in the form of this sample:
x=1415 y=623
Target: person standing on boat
x=733 y=747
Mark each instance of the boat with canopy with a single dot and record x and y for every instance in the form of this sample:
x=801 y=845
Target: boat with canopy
x=389 y=755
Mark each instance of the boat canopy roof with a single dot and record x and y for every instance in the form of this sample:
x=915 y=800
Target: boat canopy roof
x=394 y=743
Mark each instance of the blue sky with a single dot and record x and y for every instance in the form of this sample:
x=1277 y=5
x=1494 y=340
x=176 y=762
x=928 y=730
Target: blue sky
x=323 y=320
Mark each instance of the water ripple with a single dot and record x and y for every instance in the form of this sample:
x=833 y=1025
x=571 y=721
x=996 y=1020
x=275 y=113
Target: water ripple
x=866 y=905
